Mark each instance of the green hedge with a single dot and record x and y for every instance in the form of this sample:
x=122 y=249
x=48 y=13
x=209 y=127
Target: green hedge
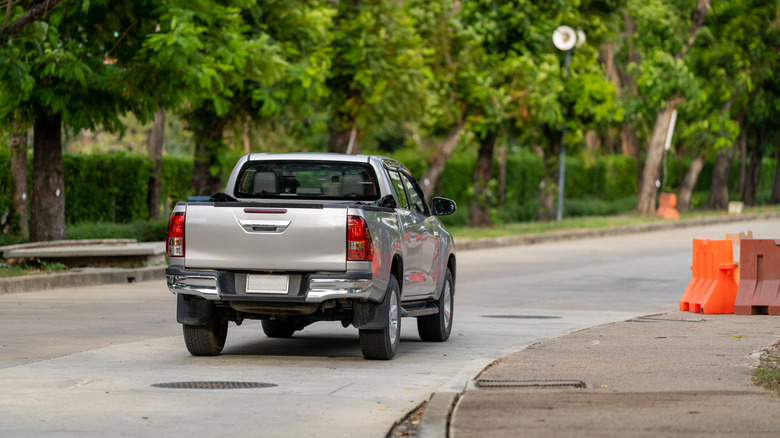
x=113 y=187
x=106 y=187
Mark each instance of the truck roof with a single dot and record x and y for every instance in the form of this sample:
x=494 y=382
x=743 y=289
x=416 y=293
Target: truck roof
x=325 y=156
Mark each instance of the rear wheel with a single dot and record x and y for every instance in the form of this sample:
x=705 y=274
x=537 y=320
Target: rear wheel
x=437 y=328
x=382 y=344
x=207 y=339
x=277 y=329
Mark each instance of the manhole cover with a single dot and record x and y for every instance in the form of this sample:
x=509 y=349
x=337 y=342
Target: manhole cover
x=214 y=385
x=530 y=383
x=521 y=316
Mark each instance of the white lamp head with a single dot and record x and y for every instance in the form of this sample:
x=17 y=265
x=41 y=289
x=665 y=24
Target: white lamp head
x=564 y=38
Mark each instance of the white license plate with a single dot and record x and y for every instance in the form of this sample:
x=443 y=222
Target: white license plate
x=267 y=284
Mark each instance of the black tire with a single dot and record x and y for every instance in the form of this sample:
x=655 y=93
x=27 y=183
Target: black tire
x=382 y=344
x=277 y=329
x=205 y=340
x=437 y=328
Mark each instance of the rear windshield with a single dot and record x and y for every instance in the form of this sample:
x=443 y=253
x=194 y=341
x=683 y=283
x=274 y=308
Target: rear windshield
x=327 y=180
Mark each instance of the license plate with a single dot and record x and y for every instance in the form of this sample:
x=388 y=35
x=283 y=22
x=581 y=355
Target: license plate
x=267 y=284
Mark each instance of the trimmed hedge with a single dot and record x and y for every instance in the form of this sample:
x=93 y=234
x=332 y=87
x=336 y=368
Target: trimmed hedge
x=113 y=187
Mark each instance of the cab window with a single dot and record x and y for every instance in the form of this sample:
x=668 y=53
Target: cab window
x=416 y=198
x=400 y=192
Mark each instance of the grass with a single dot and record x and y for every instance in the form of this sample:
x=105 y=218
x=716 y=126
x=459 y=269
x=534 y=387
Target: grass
x=767 y=374
x=22 y=267
x=587 y=223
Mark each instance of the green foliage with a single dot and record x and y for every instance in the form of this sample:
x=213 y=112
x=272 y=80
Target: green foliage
x=767 y=374
x=108 y=187
x=56 y=65
x=523 y=174
x=142 y=231
x=598 y=207
x=379 y=76
x=176 y=178
x=29 y=266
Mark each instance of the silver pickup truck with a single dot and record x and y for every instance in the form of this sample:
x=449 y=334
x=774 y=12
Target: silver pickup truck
x=300 y=238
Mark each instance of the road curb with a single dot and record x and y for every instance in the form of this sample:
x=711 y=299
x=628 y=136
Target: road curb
x=446 y=401
x=465 y=244
x=80 y=277
x=436 y=416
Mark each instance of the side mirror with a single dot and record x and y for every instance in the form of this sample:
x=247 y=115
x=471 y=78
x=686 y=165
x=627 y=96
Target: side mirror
x=443 y=206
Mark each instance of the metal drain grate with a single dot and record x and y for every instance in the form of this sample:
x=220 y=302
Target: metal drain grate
x=530 y=383
x=522 y=316
x=214 y=385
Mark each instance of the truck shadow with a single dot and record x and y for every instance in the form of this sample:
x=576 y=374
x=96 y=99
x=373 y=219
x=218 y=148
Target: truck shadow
x=304 y=345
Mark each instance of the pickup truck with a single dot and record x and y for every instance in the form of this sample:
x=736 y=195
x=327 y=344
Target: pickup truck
x=306 y=237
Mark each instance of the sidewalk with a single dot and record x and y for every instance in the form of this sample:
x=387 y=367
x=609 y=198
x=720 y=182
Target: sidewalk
x=678 y=374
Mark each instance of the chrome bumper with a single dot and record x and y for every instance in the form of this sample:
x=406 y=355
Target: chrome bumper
x=314 y=288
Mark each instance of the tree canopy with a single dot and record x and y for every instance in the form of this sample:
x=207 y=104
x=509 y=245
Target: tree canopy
x=383 y=76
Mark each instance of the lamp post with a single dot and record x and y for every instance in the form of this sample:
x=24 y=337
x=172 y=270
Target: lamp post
x=565 y=39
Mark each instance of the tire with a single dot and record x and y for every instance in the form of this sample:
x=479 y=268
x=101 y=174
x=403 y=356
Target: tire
x=437 y=328
x=382 y=344
x=277 y=329
x=205 y=340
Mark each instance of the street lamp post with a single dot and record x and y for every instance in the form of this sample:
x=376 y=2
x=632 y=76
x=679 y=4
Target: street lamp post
x=565 y=39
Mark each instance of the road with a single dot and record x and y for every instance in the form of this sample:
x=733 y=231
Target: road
x=82 y=361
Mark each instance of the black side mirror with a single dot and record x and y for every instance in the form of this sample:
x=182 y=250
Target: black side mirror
x=443 y=206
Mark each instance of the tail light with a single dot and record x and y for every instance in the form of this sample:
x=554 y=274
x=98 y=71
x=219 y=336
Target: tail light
x=359 y=246
x=176 y=235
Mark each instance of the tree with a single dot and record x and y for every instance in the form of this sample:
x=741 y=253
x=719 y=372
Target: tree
x=378 y=79
x=19 y=171
x=231 y=60
x=58 y=65
x=155 y=144
x=664 y=81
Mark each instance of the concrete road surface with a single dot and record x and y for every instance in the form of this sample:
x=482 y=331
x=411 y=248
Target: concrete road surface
x=83 y=361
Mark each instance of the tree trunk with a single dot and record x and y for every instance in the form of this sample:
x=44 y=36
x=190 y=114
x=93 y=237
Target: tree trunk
x=547 y=195
x=155 y=143
x=655 y=152
x=48 y=194
x=719 y=187
x=625 y=84
x=209 y=155
x=630 y=147
x=501 y=175
x=479 y=207
x=689 y=183
x=742 y=157
x=340 y=139
x=751 y=179
x=444 y=149
x=775 y=198
x=19 y=216
x=246 y=138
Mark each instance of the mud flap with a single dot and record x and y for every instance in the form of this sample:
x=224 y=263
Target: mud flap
x=367 y=315
x=193 y=311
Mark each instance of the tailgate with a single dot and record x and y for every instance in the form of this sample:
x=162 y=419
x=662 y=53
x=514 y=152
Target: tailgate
x=260 y=238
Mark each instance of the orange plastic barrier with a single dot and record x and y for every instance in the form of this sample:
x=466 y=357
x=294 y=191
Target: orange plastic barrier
x=759 y=288
x=712 y=288
x=666 y=206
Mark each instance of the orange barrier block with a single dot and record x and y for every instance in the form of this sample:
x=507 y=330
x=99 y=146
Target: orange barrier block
x=759 y=287
x=699 y=276
x=712 y=288
x=666 y=206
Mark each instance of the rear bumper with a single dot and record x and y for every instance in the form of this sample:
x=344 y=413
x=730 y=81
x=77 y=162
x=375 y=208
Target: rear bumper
x=307 y=287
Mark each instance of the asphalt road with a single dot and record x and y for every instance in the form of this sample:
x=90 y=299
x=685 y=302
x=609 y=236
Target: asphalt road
x=82 y=361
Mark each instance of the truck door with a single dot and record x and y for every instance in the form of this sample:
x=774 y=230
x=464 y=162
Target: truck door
x=411 y=249
x=424 y=231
